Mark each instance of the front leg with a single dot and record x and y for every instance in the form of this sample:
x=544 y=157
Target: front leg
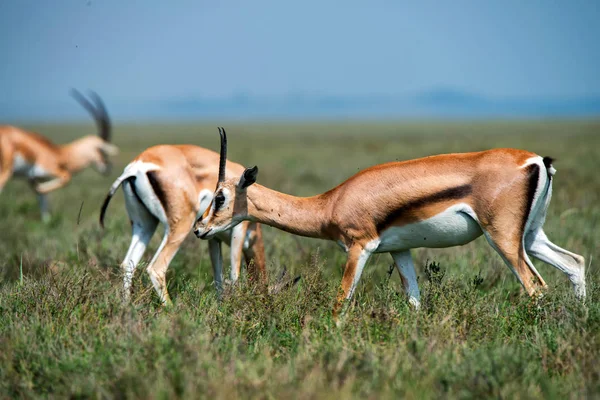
x=56 y=183
x=44 y=208
x=42 y=201
x=238 y=236
x=216 y=258
x=357 y=258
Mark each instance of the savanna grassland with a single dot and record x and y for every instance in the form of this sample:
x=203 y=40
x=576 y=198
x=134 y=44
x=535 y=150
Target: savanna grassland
x=65 y=333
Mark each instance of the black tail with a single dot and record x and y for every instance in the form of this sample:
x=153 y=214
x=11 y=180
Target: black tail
x=549 y=168
x=104 y=207
x=110 y=194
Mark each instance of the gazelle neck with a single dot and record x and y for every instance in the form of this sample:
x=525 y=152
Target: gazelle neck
x=304 y=216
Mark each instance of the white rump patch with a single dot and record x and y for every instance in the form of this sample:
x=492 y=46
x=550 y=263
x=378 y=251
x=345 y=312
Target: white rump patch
x=534 y=160
x=144 y=189
x=139 y=167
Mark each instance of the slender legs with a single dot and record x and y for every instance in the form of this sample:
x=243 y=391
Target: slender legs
x=216 y=258
x=357 y=258
x=406 y=268
x=44 y=208
x=573 y=265
x=62 y=179
x=143 y=225
x=254 y=253
x=238 y=236
x=517 y=260
x=157 y=269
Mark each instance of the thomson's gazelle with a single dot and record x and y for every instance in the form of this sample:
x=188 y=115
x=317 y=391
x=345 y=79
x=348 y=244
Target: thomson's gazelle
x=438 y=201
x=47 y=166
x=174 y=184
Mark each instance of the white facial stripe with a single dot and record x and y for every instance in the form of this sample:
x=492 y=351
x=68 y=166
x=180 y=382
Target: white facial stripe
x=204 y=198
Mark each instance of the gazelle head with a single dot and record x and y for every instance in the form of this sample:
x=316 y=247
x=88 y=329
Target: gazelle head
x=229 y=205
x=96 y=149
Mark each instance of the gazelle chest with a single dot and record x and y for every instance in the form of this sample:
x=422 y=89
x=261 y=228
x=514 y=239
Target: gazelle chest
x=454 y=226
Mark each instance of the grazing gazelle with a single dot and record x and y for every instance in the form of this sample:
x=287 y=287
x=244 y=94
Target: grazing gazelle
x=438 y=201
x=47 y=166
x=174 y=184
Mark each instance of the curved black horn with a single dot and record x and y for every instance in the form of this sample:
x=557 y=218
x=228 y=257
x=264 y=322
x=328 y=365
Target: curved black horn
x=223 y=155
x=97 y=110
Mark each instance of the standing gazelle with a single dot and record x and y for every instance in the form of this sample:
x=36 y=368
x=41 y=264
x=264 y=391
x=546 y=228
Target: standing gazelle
x=47 y=166
x=174 y=184
x=438 y=201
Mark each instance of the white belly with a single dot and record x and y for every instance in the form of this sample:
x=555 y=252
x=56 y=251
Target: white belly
x=22 y=168
x=452 y=227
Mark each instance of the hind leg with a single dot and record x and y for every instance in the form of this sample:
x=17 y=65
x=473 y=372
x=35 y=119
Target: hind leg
x=143 y=226
x=406 y=268
x=513 y=253
x=157 y=269
x=254 y=253
x=571 y=264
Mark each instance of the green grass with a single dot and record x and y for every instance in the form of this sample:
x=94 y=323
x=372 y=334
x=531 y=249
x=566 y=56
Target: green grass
x=64 y=333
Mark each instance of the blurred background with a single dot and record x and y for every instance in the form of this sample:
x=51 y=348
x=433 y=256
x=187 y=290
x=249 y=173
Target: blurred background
x=271 y=60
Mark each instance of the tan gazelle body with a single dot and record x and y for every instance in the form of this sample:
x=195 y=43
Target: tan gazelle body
x=174 y=184
x=438 y=201
x=48 y=166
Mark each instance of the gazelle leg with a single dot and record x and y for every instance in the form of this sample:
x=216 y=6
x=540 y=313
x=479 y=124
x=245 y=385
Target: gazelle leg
x=254 y=253
x=216 y=258
x=513 y=253
x=42 y=202
x=157 y=269
x=357 y=258
x=406 y=268
x=44 y=208
x=61 y=180
x=571 y=264
x=238 y=236
x=143 y=226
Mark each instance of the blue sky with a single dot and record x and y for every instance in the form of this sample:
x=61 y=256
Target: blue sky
x=136 y=52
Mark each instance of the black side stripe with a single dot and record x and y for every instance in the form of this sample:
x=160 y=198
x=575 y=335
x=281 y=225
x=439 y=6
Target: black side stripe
x=454 y=193
x=533 y=174
x=162 y=197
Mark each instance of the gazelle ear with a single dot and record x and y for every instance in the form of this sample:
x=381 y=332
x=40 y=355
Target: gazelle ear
x=248 y=177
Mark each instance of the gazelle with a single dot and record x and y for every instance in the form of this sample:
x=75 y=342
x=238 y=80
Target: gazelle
x=47 y=166
x=438 y=201
x=174 y=184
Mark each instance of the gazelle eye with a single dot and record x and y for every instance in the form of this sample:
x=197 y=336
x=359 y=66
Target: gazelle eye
x=219 y=200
